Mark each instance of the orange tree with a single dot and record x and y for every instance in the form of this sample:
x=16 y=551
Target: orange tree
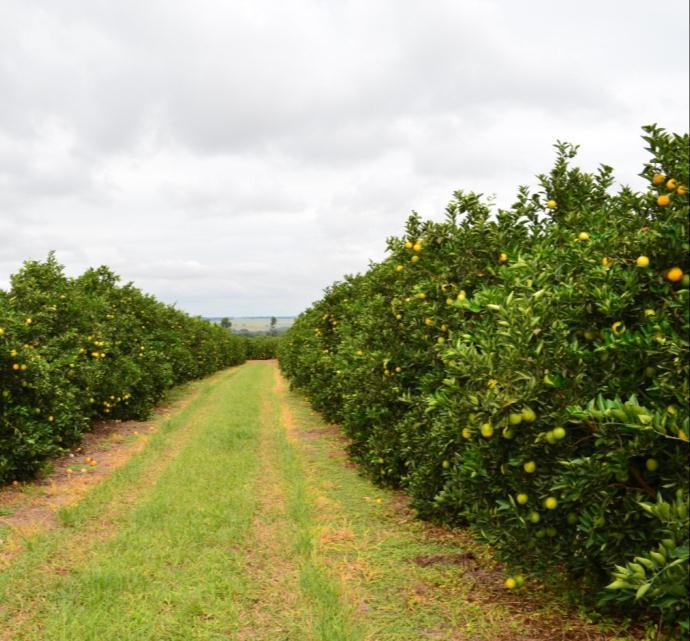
x=76 y=350
x=526 y=372
x=262 y=347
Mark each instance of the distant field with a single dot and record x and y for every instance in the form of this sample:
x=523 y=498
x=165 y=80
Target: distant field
x=257 y=323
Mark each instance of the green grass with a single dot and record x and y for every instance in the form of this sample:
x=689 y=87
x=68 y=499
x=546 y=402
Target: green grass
x=227 y=525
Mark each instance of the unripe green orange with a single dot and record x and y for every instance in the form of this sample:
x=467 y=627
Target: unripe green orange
x=487 y=430
x=559 y=433
x=528 y=415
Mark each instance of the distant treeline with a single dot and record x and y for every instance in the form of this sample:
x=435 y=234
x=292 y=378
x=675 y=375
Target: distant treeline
x=255 y=325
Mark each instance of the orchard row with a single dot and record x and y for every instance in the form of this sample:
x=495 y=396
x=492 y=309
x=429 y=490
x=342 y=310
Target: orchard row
x=77 y=350
x=526 y=371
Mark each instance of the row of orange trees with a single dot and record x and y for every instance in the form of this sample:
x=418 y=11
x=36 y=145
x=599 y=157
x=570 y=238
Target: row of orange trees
x=75 y=350
x=526 y=371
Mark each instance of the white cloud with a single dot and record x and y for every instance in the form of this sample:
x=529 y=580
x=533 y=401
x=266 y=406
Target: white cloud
x=238 y=157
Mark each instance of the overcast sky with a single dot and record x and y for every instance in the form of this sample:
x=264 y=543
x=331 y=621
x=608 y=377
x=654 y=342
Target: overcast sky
x=237 y=156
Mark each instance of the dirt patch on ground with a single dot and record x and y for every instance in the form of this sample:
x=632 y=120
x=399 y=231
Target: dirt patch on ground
x=32 y=507
x=462 y=559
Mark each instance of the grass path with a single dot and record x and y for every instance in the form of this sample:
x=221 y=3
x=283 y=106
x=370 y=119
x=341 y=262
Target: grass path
x=241 y=519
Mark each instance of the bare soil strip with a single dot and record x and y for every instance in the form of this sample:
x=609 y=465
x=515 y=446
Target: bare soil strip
x=30 y=508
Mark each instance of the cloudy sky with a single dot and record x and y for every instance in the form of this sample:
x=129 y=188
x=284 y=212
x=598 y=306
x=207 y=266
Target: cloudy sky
x=236 y=157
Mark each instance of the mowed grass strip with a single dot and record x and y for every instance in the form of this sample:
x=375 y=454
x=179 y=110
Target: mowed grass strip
x=173 y=567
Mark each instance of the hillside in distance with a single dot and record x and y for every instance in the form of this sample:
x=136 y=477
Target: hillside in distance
x=256 y=324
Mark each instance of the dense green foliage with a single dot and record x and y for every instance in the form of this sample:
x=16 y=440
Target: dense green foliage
x=526 y=371
x=262 y=347
x=74 y=350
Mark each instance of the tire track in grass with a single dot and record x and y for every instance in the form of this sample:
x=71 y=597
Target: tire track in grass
x=70 y=583
x=334 y=618
x=294 y=598
x=273 y=610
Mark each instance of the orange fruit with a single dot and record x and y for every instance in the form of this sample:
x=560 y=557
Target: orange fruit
x=551 y=204
x=550 y=503
x=528 y=415
x=663 y=200
x=642 y=261
x=674 y=274
x=658 y=179
x=682 y=190
x=487 y=430
x=652 y=464
x=672 y=184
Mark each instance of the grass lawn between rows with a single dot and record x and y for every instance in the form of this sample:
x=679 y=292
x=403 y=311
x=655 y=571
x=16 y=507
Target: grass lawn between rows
x=242 y=518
